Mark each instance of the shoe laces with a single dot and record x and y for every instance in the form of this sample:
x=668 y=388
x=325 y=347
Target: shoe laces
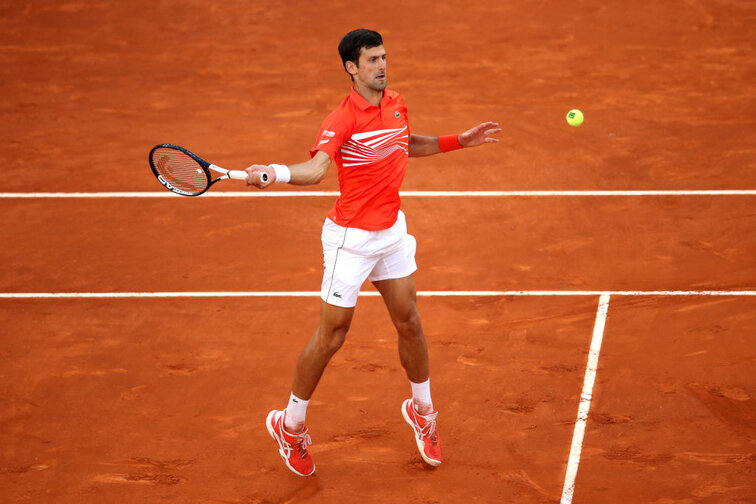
x=301 y=441
x=429 y=429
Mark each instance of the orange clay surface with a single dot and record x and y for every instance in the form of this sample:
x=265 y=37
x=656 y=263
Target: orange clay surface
x=164 y=400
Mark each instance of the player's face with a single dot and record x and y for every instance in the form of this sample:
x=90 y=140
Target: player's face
x=371 y=71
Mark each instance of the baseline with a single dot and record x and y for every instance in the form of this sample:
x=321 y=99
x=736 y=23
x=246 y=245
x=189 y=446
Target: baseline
x=292 y=194
x=219 y=294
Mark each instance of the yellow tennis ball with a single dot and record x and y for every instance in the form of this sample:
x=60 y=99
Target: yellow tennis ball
x=574 y=118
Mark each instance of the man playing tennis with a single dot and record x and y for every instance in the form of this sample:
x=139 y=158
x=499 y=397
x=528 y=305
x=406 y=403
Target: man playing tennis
x=364 y=237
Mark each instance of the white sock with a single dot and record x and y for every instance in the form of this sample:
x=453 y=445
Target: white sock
x=421 y=397
x=294 y=421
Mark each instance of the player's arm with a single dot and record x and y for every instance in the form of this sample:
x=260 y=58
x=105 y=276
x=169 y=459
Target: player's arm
x=421 y=145
x=308 y=173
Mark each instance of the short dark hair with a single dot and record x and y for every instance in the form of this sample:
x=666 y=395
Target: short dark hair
x=353 y=42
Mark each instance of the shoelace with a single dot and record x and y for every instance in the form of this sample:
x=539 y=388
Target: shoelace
x=430 y=424
x=302 y=441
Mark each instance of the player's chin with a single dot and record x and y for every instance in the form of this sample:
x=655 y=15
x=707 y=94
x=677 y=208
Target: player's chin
x=380 y=84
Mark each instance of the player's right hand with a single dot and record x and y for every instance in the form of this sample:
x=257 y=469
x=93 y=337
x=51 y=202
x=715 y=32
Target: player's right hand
x=255 y=175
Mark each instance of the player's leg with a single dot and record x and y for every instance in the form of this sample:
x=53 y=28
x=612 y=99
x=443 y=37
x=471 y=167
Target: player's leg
x=400 y=297
x=345 y=269
x=328 y=338
x=287 y=427
x=393 y=277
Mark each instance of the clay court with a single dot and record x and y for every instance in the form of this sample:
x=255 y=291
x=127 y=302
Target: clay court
x=588 y=294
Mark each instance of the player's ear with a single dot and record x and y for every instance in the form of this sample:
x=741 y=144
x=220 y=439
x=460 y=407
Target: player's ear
x=351 y=68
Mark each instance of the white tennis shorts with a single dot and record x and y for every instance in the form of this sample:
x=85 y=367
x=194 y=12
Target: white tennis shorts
x=351 y=255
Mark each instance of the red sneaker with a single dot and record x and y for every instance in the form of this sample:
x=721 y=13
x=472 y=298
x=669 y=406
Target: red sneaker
x=292 y=447
x=426 y=437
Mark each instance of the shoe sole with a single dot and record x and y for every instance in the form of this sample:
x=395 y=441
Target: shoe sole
x=418 y=441
x=269 y=425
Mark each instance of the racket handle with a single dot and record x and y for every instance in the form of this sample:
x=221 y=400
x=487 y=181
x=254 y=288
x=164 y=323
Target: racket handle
x=237 y=174
x=242 y=175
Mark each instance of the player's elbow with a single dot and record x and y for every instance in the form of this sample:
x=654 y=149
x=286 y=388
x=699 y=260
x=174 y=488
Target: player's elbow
x=318 y=176
x=311 y=176
x=320 y=167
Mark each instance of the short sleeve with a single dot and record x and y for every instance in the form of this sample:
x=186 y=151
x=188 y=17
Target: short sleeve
x=334 y=131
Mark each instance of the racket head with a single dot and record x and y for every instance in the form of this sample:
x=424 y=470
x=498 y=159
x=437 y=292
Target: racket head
x=180 y=170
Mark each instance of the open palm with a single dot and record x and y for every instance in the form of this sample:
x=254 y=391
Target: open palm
x=480 y=134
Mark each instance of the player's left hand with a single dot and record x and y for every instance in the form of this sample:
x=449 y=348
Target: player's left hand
x=480 y=134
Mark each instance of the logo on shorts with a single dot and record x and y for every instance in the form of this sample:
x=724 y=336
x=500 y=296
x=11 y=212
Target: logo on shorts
x=337 y=295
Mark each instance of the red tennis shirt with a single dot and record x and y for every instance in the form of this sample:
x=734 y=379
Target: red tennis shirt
x=370 y=147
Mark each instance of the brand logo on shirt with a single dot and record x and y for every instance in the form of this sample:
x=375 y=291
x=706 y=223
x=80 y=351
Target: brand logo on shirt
x=327 y=135
x=397 y=115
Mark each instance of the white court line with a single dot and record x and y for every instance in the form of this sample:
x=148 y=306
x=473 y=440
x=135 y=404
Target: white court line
x=237 y=294
x=585 y=401
x=333 y=194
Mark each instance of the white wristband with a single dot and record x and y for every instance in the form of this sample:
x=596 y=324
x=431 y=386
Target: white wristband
x=283 y=174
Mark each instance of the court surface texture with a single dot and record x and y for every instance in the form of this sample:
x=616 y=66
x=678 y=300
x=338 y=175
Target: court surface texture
x=588 y=294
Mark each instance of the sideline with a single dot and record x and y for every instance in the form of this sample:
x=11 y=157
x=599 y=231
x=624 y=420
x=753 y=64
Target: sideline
x=585 y=401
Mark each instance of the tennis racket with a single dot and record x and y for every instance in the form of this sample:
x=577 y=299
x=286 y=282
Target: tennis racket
x=187 y=174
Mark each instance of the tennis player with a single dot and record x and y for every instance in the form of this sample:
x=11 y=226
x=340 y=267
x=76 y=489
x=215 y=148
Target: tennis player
x=364 y=237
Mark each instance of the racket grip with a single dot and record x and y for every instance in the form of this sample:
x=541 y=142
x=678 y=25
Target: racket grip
x=237 y=175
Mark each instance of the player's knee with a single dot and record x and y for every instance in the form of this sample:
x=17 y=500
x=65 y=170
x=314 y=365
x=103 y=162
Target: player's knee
x=332 y=338
x=409 y=325
x=335 y=341
x=333 y=328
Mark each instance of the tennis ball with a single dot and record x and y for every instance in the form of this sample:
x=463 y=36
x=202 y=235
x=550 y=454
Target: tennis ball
x=574 y=118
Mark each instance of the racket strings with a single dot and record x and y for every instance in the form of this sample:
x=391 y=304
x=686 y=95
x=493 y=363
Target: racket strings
x=180 y=170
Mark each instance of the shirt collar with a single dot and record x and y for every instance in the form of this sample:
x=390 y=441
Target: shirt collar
x=363 y=104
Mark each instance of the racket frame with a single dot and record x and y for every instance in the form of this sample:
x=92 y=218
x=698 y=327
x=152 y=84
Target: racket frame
x=206 y=167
